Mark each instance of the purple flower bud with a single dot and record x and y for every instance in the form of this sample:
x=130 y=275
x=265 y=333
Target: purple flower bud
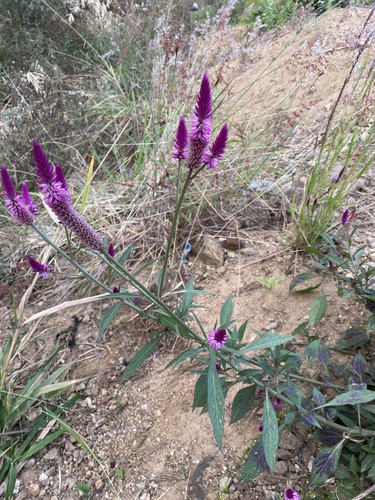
x=336 y=179
x=14 y=202
x=216 y=151
x=218 y=367
x=290 y=494
x=277 y=404
x=111 y=250
x=217 y=338
x=115 y=290
x=345 y=217
x=181 y=141
x=42 y=269
x=260 y=425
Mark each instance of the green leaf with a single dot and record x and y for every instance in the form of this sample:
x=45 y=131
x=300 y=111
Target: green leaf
x=215 y=400
x=370 y=327
x=325 y=464
x=191 y=353
x=11 y=481
x=226 y=313
x=242 y=330
x=318 y=309
x=270 y=433
x=302 y=278
x=141 y=356
x=294 y=393
x=107 y=318
x=86 y=191
x=255 y=463
x=200 y=391
x=316 y=351
x=242 y=403
x=270 y=339
x=351 y=398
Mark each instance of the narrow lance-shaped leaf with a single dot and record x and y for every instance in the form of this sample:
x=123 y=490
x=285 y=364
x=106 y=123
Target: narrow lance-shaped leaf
x=269 y=340
x=351 y=398
x=318 y=309
x=215 y=400
x=242 y=403
x=108 y=316
x=226 y=312
x=255 y=464
x=325 y=464
x=140 y=357
x=270 y=433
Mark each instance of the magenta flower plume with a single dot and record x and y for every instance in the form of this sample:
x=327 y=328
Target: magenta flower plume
x=52 y=188
x=216 y=151
x=201 y=124
x=57 y=197
x=290 y=494
x=111 y=250
x=217 y=338
x=27 y=200
x=345 y=217
x=181 y=141
x=18 y=209
x=42 y=269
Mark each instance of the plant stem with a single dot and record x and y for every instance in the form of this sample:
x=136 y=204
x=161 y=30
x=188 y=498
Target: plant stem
x=171 y=236
x=187 y=331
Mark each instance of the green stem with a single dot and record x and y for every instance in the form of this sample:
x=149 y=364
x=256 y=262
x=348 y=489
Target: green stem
x=104 y=255
x=171 y=236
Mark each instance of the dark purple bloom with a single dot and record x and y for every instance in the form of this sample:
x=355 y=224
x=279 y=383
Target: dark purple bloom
x=57 y=197
x=216 y=151
x=218 y=367
x=345 y=217
x=260 y=425
x=14 y=202
x=27 y=200
x=115 y=290
x=217 y=338
x=201 y=124
x=42 y=269
x=181 y=141
x=290 y=494
x=277 y=404
x=111 y=250
x=52 y=185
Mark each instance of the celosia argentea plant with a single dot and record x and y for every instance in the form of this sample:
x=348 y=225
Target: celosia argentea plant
x=274 y=377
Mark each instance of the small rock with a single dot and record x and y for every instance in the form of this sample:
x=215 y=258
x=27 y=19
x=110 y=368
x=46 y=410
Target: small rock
x=43 y=479
x=33 y=490
x=224 y=483
x=281 y=468
x=272 y=326
x=69 y=446
x=289 y=442
x=249 y=251
x=234 y=244
x=17 y=487
x=285 y=454
x=98 y=484
x=52 y=454
x=209 y=251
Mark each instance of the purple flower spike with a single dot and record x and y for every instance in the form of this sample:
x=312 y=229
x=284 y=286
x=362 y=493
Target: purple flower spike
x=13 y=201
x=181 y=141
x=277 y=404
x=216 y=151
x=27 y=200
x=111 y=250
x=217 y=338
x=44 y=169
x=290 y=494
x=201 y=124
x=345 y=217
x=42 y=269
x=59 y=178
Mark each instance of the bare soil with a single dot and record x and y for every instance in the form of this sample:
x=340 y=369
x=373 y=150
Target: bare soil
x=144 y=432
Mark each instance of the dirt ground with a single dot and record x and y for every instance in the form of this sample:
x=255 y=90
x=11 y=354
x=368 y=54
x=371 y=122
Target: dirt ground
x=144 y=432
